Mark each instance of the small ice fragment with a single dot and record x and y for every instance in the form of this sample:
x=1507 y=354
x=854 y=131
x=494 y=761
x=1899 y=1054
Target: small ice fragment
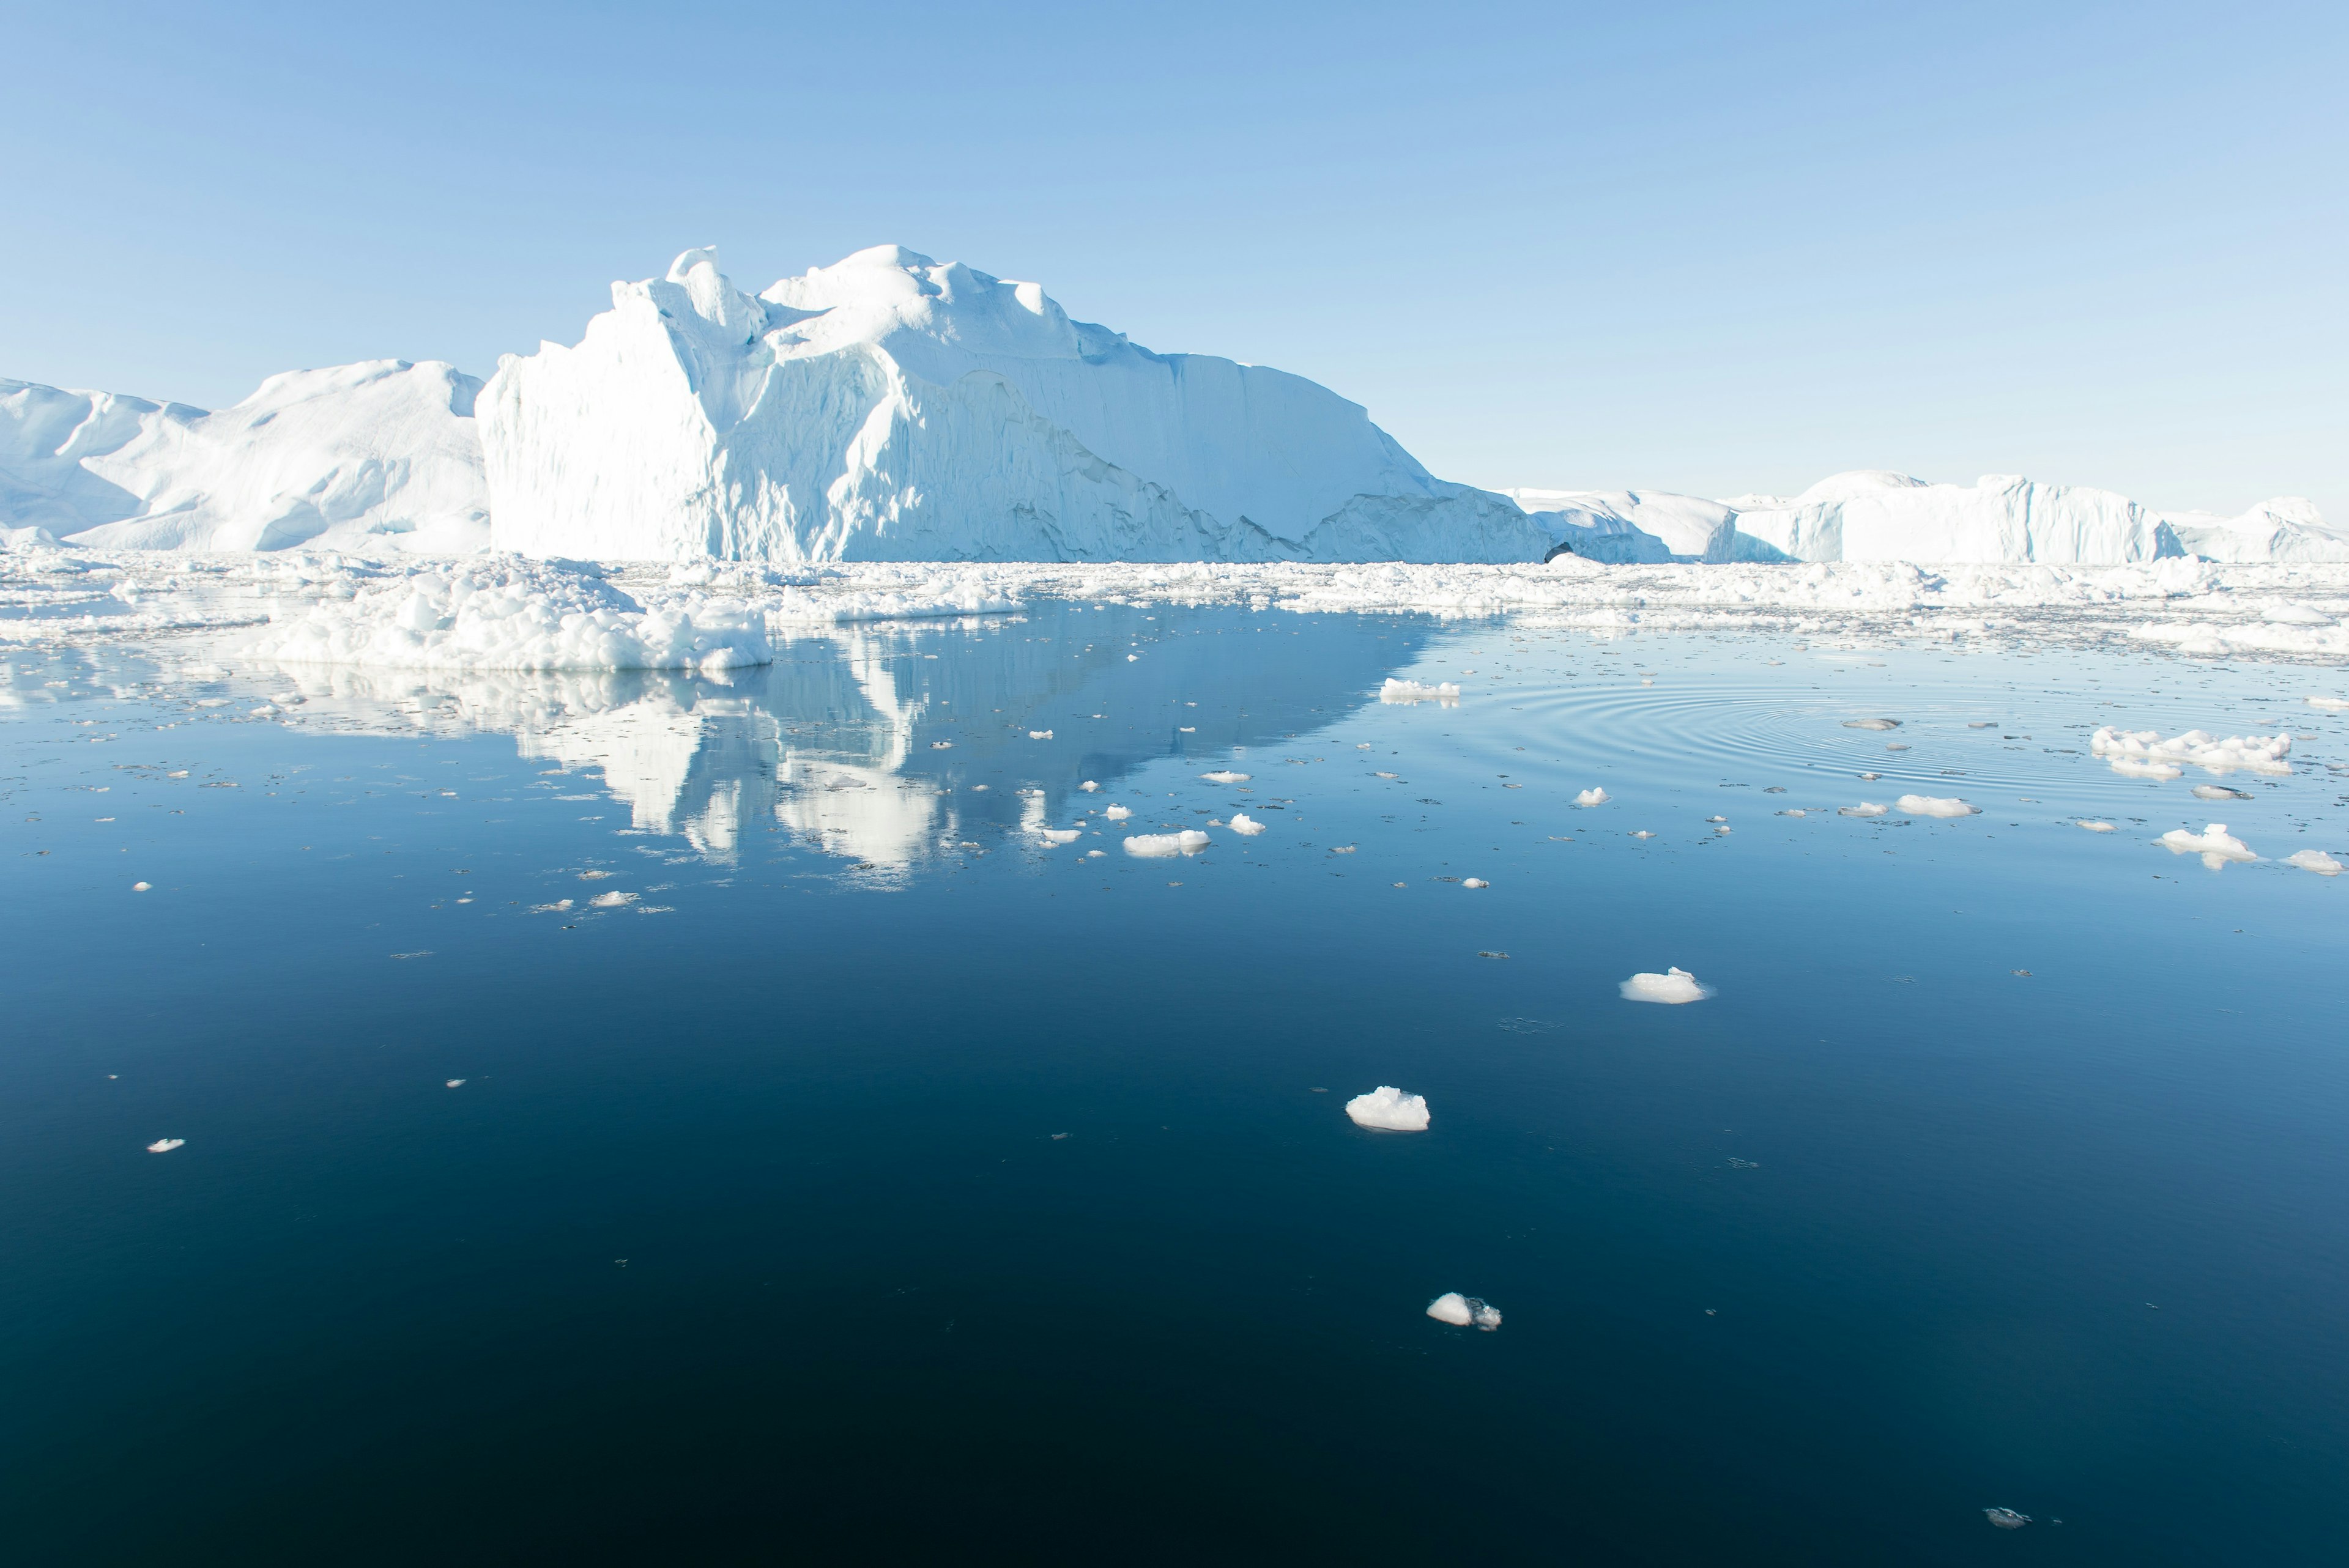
x=2006 y=1518
x=165 y=1145
x=615 y=899
x=1040 y=734
x=942 y=746
x=2315 y=861
x=2137 y=752
x=142 y=887
x=456 y=1083
x=1462 y=1311
x=1096 y=854
x=1131 y=657
x=1674 y=986
x=1871 y=724
x=1934 y=806
x=1189 y=841
x=1644 y=833
x=1395 y=690
x=2330 y=704
x=1794 y=811
x=1389 y=1110
x=1865 y=809
x=1059 y=835
x=1869 y=778
x=1117 y=814
x=1716 y=819
x=1186 y=729
x=1341 y=849
x=594 y=876
x=2214 y=844
x=2096 y=827
x=1387 y=775
x=1361 y=745
x=1224 y=776
x=1475 y=882
x=1243 y=823
x=1594 y=796
x=2216 y=791
x=1088 y=787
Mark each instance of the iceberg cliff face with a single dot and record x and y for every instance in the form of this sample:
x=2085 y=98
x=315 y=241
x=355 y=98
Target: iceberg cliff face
x=316 y=457
x=889 y=408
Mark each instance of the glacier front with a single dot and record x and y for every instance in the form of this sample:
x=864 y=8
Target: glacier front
x=891 y=408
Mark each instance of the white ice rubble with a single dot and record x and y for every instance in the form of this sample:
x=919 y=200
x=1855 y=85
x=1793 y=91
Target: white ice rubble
x=2214 y=844
x=1674 y=985
x=1389 y=1110
x=2143 y=754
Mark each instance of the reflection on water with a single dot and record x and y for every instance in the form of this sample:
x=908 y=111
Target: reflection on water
x=883 y=744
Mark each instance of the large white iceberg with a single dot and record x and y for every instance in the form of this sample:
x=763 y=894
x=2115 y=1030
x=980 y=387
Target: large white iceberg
x=890 y=408
x=332 y=458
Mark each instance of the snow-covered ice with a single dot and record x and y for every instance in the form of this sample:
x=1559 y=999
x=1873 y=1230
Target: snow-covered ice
x=2214 y=844
x=2097 y=827
x=1463 y=1311
x=1474 y=882
x=1189 y=841
x=1244 y=824
x=1594 y=796
x=165 y=1145
x=1933 y=805
x=1865 y=809
x=2315 y=861
x=2144 y=751
x=1389 y=1110
x=1674 y=986
x=1404 y=691
x=1224 y=776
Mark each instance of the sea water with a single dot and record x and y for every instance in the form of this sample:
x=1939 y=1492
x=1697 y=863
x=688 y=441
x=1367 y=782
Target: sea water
x=638 y=1117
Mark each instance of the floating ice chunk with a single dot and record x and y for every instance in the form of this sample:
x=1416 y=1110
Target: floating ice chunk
x=165 y=1145
x=1643 y=833
x=1224 y=776
x=2143 y=767
x=1342 y=849
x=1189 y=841
x=2315 y=861
x=1131 y=658
x=942 y=746
x=2214 y=791
x=1594 y=796
x=1389 y=1110
x=1117 y=814
x=2006 y=1518
x=2330 y=704
x=1040 y=734
x=2214 y=844
x=142 y=887
x=1871 y=724
x=1674 y=986
x=456 y=1083
x=2195 y=749
x=1865 y=809
x=1934 y=806
x=1794 y=811
x=1059 y=835
x=2095 y=827
x=1462 y=1311
x=1475 y=882
x=1095 y=854
x=1243 y=823
x=615 y=899
x=1412 y=691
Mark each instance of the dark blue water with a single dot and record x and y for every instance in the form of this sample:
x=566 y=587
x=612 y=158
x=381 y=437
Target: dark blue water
x=906 y=1189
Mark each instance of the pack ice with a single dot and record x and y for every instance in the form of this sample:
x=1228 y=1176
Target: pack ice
x=891 y=408
x=383 y=451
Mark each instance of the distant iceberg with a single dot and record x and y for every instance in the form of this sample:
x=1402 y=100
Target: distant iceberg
x=382 y=452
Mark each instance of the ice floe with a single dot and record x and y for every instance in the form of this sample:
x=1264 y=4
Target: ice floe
x=1224 y=776
x=2145 y=754
x=1871 y=724
x=1059 y=835
x=1412 y=691
x=2006 y=1518
x=2315 y=861
x=1594 y=796
x=1389 y=1110
x=165 y=1145
x=1674 y=986
x=2214 y=844
x=2330 y=704
x=1865 y=809
x=2219 y=793
x=1474 y=882
x=1934 y=806
x=2096 y=827
x=1189 y=841
x=1463 y=1311
x=1117 y=814
x=1242 y=822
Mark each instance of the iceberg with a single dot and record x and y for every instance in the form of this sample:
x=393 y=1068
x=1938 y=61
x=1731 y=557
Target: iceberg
x=891 y=408
x=383 y=451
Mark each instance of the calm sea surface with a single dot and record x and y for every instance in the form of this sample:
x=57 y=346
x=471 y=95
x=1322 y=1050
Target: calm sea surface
x=842 y=1170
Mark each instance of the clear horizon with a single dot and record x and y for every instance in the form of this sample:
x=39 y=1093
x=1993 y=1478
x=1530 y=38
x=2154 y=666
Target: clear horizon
x=1698 y=250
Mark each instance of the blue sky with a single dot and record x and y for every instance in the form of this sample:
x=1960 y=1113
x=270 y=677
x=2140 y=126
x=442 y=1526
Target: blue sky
x=1707 y=248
